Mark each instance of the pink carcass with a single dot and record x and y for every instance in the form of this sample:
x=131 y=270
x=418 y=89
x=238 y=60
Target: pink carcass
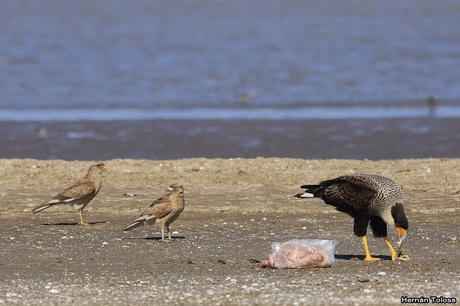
x=307 y=253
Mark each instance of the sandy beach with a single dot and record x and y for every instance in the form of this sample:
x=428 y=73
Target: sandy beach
x=235 y=209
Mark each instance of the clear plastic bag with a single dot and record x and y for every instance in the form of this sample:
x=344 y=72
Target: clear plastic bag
x=302 y=253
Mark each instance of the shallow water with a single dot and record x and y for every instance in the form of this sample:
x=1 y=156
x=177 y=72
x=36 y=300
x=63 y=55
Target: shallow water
x=346 y=72
x=128 y=114
x=263 y=52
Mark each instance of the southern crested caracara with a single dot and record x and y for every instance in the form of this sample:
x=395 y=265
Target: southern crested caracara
x=79 y=194
x=369 y=199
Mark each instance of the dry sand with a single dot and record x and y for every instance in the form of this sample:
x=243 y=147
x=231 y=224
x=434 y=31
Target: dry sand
x=235 y=209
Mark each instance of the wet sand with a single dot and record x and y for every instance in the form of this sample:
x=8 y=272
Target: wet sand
x=235 y=209
x=173 y=139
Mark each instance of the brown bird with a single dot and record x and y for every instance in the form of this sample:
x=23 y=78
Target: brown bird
x=371 y=200
x=163 y=211
x=79 y=194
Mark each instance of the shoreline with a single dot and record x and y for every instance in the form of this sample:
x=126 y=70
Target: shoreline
x=231 y=113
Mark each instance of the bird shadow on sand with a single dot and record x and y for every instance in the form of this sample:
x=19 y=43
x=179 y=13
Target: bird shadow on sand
x=73 y=223
x=158 y=238
x=155 y=238
x=359 y=257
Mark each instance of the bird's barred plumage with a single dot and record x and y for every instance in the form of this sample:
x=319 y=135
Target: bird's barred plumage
x=357 y=193
x=370 y=199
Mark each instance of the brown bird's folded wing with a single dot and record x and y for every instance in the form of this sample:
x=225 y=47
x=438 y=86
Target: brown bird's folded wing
x=159 y=208
x=354 y=191
x=81 y=189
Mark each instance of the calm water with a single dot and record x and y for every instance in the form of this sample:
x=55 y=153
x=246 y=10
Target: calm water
x=337 y=76
x=71 y=54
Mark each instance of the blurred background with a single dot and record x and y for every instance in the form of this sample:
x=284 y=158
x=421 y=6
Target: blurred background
x=97 y=80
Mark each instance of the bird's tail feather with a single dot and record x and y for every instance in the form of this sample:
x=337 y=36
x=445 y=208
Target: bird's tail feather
x=138 y=222
x=41 y=207
x=311 y=191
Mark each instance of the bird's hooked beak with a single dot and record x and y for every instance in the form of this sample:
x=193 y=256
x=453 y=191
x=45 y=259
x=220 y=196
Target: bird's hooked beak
x=402 y=233
x=401 y=240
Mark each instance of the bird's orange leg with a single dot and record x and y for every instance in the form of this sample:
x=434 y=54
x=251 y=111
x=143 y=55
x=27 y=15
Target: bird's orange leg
x=368 y=257
x=393 y=253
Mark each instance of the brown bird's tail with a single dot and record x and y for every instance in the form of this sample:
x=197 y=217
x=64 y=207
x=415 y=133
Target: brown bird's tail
x=44 y=206
x=138 y=222
x=311 y=191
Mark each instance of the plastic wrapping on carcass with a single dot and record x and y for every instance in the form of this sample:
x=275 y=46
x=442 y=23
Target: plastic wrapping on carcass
x=304 y=253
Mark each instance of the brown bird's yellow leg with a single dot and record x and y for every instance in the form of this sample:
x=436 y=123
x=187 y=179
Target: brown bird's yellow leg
x=393 y=253
x=368 y=258
x=81 y=218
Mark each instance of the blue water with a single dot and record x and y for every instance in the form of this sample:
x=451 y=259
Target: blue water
x=117 y=114
x=91 y=55
x=99 y=79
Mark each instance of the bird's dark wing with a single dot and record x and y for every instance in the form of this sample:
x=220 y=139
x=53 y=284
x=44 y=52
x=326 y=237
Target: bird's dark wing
x=352 y=191
x=80 y=189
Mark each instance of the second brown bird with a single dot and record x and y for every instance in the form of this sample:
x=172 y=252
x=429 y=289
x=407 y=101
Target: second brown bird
x=162 y=211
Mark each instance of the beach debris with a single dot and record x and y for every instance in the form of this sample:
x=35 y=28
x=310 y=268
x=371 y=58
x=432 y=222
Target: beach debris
x=305 y=253
x=403 y=257
x=130 y=194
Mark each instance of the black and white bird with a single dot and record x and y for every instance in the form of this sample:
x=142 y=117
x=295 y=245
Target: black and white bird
x=79 y=194
x=371 y=200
